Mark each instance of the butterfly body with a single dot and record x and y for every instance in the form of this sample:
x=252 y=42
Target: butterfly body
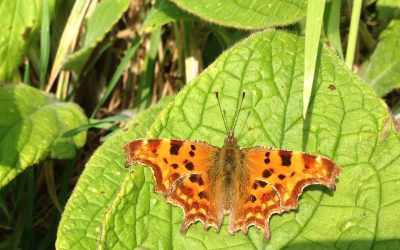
x=250 y=184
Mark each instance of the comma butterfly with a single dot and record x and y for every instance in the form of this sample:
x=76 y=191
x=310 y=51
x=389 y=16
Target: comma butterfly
x=250 y=184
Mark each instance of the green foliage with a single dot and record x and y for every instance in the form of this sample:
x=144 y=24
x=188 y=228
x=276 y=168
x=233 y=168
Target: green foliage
x=119 y=56
x=164 y=12
x=346 y=122
x=244 y=15
x=82 y=219
x=107 y=13
x=31 y=129
x=18 y=28
x=383 y=71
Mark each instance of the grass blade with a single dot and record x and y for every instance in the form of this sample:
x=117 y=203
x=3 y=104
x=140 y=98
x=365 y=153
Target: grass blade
x=118 y=73
x=315 y=13
x=143 y=95
x=332 y=25
x=68 y=38
x=354 y=22
x=44 y=43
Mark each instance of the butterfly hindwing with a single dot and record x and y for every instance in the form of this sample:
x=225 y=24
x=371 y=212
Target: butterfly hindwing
x=181 y=173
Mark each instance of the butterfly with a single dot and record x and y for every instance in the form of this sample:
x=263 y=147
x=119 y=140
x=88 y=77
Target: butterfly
x=250 y=184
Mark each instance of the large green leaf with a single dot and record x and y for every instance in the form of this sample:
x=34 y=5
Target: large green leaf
x=244 y=14
x=83 y=216
x=106 y=14
x=31 y=128
x=383 y=70
x=18 y=24
x=346 y=121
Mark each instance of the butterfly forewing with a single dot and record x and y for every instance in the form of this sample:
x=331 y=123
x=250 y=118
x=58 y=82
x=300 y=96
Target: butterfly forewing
x=289 y=171
x=181 y=173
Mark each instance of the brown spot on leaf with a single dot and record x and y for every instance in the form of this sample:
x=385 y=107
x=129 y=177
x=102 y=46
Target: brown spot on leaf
x=165 y=160
x=27 y=33
x=175 y=166
x=331 y=87
x=193 y=147
x=253 y=199
x=281 y=176
x=267 y=160
x=255 y=186
x=191 y=153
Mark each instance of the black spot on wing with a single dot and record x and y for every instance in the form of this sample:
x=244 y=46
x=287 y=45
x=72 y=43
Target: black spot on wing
x=261 y=183
x=193 y=178
x=286 y=157
x=266 y=173
x=175 y=146
x=202 y=195
x=189 y=166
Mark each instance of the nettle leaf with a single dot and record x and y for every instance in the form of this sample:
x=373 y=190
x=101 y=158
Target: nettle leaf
x=83 y=216
x=31 y=128
x=383 y=71
x=18 y=24
x=243 y=14
x=346 y=121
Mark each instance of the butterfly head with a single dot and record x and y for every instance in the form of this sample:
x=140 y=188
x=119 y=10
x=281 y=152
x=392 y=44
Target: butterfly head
x=231 y=138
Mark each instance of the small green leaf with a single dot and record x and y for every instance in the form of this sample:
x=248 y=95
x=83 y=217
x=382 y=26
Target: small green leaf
x=244 y=14
x=83 y=216
x=383 y=71
x=19 y=23
x=105 y=15
x=31 y=127
x=164 y=12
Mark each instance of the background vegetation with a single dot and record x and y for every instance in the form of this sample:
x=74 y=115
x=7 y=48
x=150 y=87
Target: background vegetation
x=81 y=78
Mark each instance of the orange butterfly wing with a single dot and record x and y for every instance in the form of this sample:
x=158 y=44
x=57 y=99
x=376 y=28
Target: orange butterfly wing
x=277 y=179
x=181 y=173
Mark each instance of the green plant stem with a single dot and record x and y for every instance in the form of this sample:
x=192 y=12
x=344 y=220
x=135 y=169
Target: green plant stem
x=351 y=44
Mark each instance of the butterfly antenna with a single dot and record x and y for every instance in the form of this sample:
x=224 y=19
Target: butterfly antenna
x=240 y=108
x=220 y=109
